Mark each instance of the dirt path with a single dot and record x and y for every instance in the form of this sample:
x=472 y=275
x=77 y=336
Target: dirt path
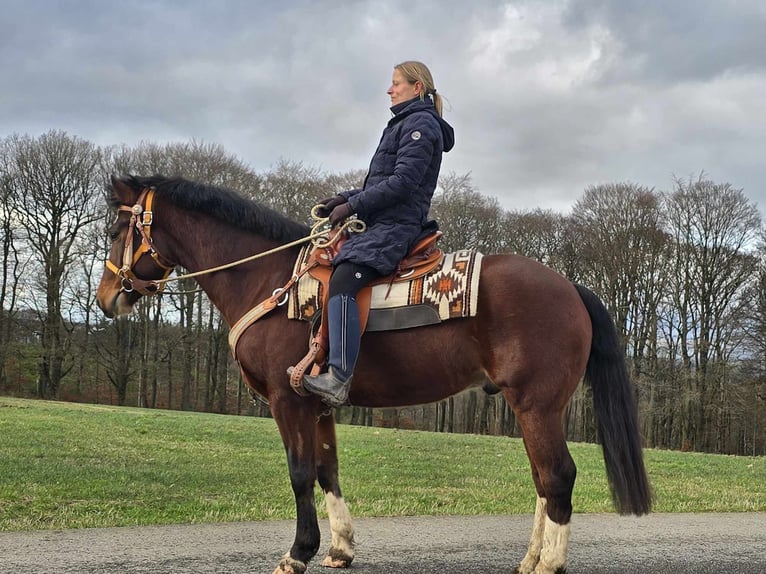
x=600 y=544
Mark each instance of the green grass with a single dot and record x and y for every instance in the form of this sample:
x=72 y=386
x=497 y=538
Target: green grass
x=65 y=465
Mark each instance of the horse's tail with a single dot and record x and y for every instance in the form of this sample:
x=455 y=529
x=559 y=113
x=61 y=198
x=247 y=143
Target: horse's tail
x=616 y=414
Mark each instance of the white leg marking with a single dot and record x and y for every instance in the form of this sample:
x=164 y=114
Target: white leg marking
x=527 y=565
x=555 y=544
x=341 y=526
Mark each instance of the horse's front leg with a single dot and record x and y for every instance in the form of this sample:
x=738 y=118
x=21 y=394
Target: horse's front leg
x=341 y=552
x=296 y=422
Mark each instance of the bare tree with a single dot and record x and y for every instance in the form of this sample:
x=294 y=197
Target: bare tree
x=53 y=182
x=11 y=267
x=621 y=254
x=80 y=297
x=118 y=352
x=292 y=188
x=468 y=219
x=713 y=227
x=344 y=181
x=751 y=425
x=195 y=160
x=537 y=234
x=620 y=230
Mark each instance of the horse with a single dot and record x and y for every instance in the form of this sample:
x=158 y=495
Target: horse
x=535 y=335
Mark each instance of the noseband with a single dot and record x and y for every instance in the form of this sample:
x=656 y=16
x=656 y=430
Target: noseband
x=141 y=217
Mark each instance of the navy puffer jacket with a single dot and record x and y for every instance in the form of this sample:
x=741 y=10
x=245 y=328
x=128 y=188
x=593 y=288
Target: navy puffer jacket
x=400 y=183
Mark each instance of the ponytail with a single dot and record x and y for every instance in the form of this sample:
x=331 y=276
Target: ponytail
x=438 y=104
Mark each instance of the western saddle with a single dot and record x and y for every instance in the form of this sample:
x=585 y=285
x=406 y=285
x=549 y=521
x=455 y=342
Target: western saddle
x=422 y=258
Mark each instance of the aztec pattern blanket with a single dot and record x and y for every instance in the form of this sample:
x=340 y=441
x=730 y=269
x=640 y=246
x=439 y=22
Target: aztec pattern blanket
x=450 y=291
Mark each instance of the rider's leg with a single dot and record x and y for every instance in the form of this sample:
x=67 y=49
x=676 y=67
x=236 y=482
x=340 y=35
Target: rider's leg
x=344 y=331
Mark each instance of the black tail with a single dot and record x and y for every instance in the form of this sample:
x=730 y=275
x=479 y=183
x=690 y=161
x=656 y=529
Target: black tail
x=616 y=415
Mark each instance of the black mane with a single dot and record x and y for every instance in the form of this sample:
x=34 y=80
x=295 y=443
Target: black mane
x=223 y=204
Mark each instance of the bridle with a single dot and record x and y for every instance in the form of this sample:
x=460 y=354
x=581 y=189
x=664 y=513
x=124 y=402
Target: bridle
x=141 y=217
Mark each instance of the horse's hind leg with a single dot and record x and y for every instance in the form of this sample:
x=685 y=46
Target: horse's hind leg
x=553 y=471
x=341 y=551
x=532 y=557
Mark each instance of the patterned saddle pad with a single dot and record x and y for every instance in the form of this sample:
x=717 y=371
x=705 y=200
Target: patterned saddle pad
x=450 y=291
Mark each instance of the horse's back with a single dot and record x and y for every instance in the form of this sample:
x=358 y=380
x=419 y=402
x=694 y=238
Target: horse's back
x=515 y=289
x=529 y=319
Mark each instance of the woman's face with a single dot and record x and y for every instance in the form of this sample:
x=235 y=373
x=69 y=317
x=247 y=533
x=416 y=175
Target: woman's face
x=401 y=90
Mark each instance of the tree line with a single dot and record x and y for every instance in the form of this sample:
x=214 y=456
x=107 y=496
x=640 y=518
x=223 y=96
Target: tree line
x=681 y=270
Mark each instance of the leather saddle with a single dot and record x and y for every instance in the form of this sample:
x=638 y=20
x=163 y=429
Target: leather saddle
x=423 y=258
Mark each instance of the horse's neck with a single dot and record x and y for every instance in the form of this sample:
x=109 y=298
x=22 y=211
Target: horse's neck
x=236 y=290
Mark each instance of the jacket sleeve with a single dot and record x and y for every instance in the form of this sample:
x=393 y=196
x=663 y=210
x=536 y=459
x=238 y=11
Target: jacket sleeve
x=349 y=193
x=413 y=157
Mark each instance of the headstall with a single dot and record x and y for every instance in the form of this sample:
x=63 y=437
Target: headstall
x=141 y=217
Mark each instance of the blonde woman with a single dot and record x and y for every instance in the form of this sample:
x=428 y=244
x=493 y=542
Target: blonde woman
x=394 y=203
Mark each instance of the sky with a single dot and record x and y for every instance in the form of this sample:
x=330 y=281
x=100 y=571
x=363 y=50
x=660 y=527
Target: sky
x=546 y=97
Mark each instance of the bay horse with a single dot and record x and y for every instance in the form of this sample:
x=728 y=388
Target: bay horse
x=535 y=335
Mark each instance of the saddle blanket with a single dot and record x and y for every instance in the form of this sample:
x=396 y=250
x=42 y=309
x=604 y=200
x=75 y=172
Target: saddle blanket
x=450 y=291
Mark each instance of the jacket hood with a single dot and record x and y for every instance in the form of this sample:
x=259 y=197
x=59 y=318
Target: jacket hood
x=416 y=105
x=447 y=133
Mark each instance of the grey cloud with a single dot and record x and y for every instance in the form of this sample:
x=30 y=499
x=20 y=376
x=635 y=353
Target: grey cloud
x=686 y=40
x=546 y=97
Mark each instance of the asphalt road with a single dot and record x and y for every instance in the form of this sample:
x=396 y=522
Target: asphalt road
x=600 y=544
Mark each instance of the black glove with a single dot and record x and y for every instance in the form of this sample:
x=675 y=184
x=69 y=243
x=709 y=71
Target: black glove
x=340 y=213
x=327 y=205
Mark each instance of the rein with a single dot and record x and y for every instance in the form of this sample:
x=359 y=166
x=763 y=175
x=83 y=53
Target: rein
x=142 y=217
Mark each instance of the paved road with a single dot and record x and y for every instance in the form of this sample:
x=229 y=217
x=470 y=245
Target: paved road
x=600 y=544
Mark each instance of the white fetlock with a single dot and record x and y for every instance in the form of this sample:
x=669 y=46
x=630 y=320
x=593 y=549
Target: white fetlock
x=530 y=561
x=341 y=553
x=527 y=565
x=553 y=557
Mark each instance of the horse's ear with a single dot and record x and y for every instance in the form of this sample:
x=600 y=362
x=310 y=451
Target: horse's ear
x=122 y=190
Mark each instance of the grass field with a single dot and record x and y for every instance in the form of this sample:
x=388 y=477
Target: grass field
x=65 y=465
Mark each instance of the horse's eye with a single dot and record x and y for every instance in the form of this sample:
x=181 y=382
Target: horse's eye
x=113 y=234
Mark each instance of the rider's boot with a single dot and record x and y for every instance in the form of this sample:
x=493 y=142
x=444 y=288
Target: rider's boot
x=345 y=334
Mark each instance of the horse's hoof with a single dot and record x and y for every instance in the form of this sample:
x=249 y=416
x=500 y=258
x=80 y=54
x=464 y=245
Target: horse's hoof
x=336 y=559
x=289 y=566
x=527 y=566
x=330 y=562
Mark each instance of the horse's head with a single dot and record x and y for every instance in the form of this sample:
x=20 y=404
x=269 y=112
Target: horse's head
x=133 y=265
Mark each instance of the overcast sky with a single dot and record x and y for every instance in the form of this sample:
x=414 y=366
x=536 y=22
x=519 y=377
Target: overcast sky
x=546 y=97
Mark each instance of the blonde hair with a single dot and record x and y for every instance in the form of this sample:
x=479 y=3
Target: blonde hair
x=414 y=71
